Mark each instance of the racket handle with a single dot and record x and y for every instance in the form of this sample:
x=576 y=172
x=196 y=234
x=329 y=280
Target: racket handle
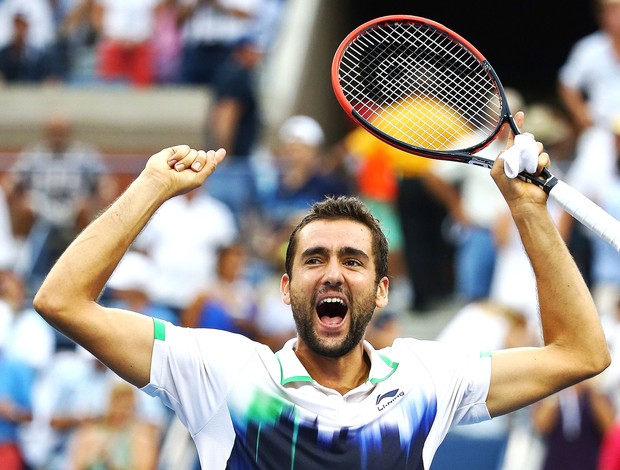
x=587 y=212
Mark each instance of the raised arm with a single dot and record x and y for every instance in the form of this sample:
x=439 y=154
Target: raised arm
x=68 y=297
x=574 y=343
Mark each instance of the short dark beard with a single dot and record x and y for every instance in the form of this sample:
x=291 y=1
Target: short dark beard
x=361 y=315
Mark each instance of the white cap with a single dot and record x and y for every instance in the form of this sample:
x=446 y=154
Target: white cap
x=132 y=273
x=301 y=129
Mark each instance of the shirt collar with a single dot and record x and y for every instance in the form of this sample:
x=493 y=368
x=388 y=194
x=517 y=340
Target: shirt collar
x=292 y=370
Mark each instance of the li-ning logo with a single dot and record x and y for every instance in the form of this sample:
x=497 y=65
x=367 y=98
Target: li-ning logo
x=392 y=395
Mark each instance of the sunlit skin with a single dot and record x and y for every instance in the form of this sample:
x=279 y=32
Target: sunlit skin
x=334 y=260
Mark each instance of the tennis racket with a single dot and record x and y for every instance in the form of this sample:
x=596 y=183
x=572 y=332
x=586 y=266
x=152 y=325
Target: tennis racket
x=424 y=89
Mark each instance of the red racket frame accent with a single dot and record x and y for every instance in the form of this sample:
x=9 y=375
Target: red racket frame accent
x=466 y=155
x=387 y=19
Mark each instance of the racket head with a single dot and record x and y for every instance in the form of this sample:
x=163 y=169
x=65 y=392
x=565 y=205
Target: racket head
x=420 y=87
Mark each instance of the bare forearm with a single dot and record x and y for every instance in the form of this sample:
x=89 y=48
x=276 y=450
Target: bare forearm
x=576 y=105
x=568 y=315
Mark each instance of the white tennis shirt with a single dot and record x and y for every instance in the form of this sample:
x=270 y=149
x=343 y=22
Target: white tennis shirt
x=247 y=407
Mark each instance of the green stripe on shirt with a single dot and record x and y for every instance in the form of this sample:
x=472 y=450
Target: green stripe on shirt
x=159 y=329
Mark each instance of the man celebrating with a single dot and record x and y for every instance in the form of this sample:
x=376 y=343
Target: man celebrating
x=327 y=399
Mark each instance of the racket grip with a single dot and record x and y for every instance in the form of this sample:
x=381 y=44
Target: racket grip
x=587 y=212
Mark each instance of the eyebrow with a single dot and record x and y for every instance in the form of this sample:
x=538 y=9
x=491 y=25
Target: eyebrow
x=342 y=252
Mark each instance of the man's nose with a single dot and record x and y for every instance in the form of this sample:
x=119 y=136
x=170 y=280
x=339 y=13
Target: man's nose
x=333 y=273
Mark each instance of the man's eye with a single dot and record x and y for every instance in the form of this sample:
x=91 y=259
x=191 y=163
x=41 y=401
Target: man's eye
x=313 y=261
x=352 y=262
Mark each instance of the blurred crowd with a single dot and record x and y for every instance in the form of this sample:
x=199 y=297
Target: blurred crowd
x=140 y=43
x=450 y=234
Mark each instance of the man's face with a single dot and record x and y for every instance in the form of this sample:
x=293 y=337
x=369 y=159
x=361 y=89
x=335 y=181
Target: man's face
x=332 y=289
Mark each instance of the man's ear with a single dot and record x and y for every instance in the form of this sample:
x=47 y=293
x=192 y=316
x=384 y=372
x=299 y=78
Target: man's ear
x=381 y=298
x=285 y=283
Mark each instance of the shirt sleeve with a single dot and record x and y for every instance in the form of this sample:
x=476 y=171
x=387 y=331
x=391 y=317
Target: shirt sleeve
x=461 y=376
x=574 y=72
x=192 y=370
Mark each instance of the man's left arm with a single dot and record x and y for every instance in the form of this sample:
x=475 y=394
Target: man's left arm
x=575 y=347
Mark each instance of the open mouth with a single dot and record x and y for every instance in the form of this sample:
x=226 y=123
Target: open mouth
x=331 y=311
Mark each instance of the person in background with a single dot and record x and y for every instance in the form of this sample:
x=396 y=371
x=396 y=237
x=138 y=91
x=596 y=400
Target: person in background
x=16 y=383
x=573 y=424
x=129 y=288
x=167 y=43
x=227 y=302
x=601 y=185
x=589 y=79
x=297 y=182
x=210 y=28
x=589 y=89
x=41 y=33
x=58 y=183
x=234 y=122
x=124 y=50
x=117 y=441
x=20 y=61
x=178 y=277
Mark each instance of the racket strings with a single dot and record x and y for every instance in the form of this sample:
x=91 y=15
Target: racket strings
x=436 y=108
x=419 y=86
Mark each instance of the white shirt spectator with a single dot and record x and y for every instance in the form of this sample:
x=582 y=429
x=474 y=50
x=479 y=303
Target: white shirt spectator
x=128 y=20
x=180 y=273
x=40 y=21
x=593 y=67
x=214 y=24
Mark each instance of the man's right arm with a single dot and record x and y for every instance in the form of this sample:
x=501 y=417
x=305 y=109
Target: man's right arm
x=67 y=299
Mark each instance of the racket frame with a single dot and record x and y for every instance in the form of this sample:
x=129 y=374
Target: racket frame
x=465 y=155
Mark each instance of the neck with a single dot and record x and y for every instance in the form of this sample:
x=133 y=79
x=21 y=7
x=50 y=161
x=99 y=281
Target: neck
x=343 y=374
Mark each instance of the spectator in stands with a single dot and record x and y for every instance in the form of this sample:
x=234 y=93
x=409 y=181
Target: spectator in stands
x=74 y=49
x=15 y=403
x=119 y=440
x=274 y=324
x=9 y=242
x=167 y=42
x=235 y=119
x=124 y=49
x=128 y=288
x=589 y=87
x=179 y=275
x=27 y=338
x=297 y=184
x=38 y=14
x=72 y=394
x=229 y=301
x=573 y=423
x=234 y=123
x=19 y=60
x=589 y=80
x=601 y=184
x=210 y=29
x=64 y=183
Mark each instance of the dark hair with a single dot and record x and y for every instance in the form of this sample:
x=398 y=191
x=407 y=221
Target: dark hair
x=344 y=207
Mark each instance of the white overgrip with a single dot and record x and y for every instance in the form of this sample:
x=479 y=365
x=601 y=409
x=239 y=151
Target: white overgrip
x=587 y=212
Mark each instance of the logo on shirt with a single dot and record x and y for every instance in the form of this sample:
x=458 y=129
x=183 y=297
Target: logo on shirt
x=391 y=396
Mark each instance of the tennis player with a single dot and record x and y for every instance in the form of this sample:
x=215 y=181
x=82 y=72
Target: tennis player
x=327 y=399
